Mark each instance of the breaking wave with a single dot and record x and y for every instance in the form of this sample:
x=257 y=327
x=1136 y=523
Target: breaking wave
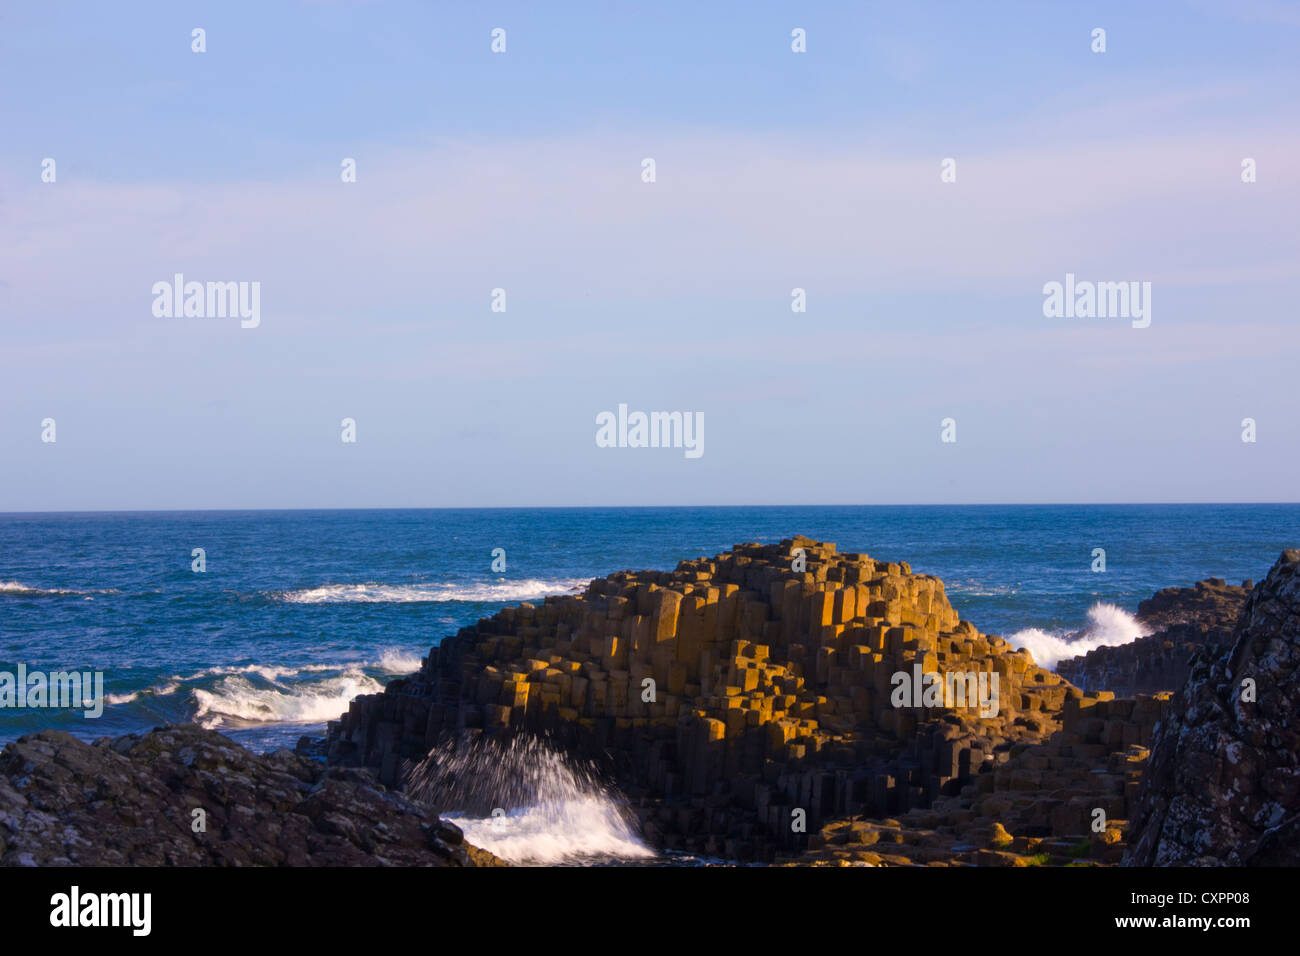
x=18 y=589
x=398 y=662
x=487 y=591
x=1108 y=626
x=160 y=690
x=391 y=661
x=527 y=803
x=237 y=700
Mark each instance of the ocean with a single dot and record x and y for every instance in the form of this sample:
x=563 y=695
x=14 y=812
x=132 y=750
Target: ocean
x=297 y=612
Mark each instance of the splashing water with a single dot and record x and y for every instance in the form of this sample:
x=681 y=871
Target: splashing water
x=393 y=661
x=1108 y=626
x=526 y=803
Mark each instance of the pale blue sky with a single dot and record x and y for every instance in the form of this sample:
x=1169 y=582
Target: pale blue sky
x=522 y=171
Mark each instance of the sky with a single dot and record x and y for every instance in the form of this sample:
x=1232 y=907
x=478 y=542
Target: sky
x=523 y=170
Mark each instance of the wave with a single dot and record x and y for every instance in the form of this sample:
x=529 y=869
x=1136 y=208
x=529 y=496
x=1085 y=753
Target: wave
x=398 y=662
x=159 y=690
x=237 y=700
x=391 y=661
x=981 y=590
x=270 y=672
x=19 y=589
x=1108 y=626
x=486 y=591
x=526 y=802
x=575 y=831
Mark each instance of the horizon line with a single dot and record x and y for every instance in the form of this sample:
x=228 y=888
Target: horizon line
x=977 y=504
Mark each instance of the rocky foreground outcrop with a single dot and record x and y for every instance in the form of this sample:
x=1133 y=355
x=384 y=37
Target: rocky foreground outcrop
x=1182 y=623
x=748 y=706
x=1223 y=783
x=132 y=801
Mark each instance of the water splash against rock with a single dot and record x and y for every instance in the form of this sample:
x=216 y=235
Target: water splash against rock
x=1108 y=626
x=526 y=802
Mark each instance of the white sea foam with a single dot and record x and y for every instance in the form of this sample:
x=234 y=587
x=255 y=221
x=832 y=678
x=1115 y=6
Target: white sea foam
x=19 y=589
x=271 y=672
x=550 y=809
x=236 y=699
x=159 y=690
x=486 y=591
x=393 y=661
x=1108 y=626
x=980 y=589
x=581 y=829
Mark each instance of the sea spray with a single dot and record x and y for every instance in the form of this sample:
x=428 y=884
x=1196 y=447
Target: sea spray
x=393 y=661
x=1108 y=626
x=526 y=802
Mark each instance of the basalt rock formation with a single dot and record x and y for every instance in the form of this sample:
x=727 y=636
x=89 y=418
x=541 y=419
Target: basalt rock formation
x=1063 y=800
x=1223 y=784
x=1183 y=622
x=131 y=802
x=745 y=703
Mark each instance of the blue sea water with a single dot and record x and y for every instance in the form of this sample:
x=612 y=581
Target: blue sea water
x=299 y=611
